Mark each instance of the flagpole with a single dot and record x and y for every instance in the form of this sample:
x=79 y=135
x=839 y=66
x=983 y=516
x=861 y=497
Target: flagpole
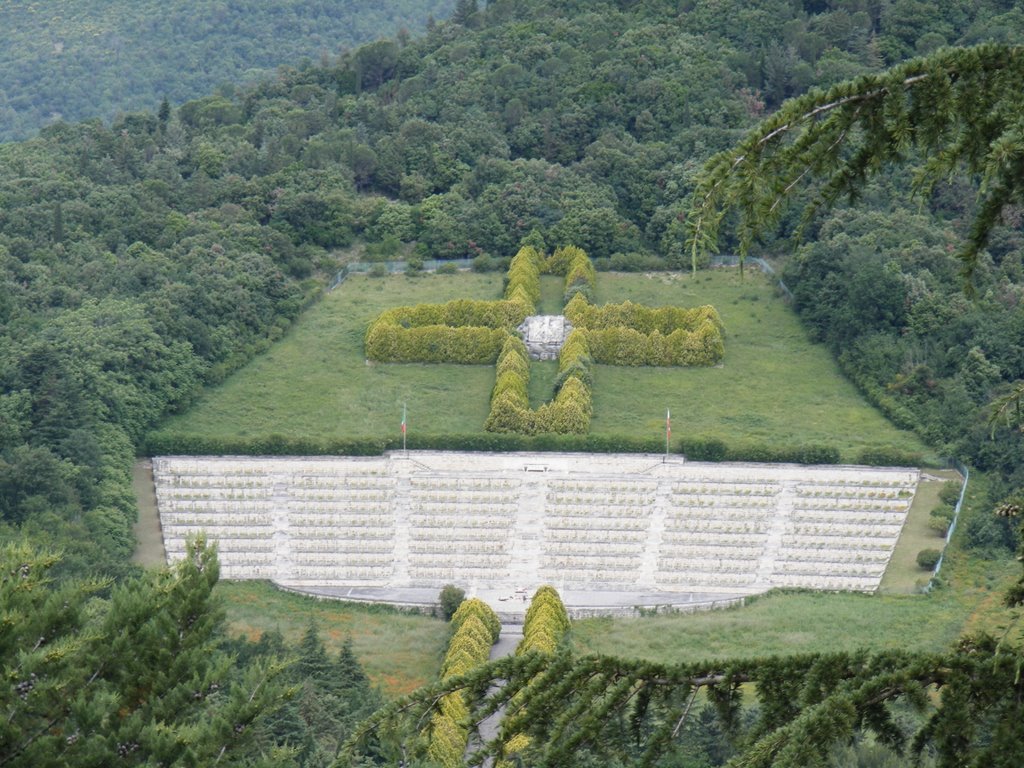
x=668 y=430
x=404 y=449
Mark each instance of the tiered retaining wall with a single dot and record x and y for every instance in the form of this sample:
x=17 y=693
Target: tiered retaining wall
x=508 y=521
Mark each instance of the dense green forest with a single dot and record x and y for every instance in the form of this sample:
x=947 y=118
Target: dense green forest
x=147 y=258
x=80 y=59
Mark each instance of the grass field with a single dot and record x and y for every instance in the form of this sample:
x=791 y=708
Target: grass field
x=904 y=575
x=399 y=651
x=773 y=387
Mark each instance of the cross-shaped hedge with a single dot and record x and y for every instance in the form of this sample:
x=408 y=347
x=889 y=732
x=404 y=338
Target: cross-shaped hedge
x=481 y=332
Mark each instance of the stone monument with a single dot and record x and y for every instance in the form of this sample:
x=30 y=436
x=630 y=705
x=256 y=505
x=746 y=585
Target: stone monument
x=544 y=335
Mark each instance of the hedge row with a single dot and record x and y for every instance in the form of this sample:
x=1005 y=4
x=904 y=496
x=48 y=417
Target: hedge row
x=545 y=624
x=713 y=449
x=471 y=345
x=544 y=627
x=694 y=448
x=462 y=331
x=522 y=281
x=582 y=314
x=568 y=413
x=475 y=628
x=504 y=313
x=580 y=275
x=626 y=346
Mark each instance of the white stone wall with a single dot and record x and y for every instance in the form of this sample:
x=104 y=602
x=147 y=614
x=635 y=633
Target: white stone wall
x=506 y=521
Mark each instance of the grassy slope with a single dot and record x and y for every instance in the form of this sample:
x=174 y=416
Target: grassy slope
x=399 y=651
x=773 y=387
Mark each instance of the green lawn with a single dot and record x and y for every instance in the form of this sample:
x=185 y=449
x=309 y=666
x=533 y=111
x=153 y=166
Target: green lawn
x=904 y=575
x=774 y=386
x=399 y=651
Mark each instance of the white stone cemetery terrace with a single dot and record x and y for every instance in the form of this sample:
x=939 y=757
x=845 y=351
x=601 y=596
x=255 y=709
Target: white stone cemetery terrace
x=609 y=531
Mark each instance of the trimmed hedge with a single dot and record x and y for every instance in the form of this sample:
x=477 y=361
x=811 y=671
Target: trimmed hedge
x=626 y=346
x=481 y=610
x=580 y=275
x=694 y=448
x=470 y=345
x=545 y=624
x=632 y=334
x=475 y=628
x=523 y=278
x=583 y=314
x=570 y=411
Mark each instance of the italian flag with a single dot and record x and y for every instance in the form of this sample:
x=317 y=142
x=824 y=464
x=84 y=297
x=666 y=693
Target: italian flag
x=403 y=418
x=668 y=423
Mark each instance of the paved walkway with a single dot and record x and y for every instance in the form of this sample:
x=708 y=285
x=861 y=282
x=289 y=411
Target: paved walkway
x=511 y=608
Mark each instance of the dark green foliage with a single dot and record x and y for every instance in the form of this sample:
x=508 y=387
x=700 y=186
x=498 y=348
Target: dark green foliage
x=328 y=697
x=927 y=559
x=609 y=709
x=475 y=628
x=450 y=599
x=99 y=59
x=96 y=675
x=855 y=129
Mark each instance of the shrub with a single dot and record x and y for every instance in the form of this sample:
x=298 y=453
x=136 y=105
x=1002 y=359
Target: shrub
x=484 y=263
x=475 y=628
x=378 y=270
x=927 y=559
x=950 y=492
x=476 y=607
x=448 y=268
x=545 y=624
x=450 y=599
x=888 y=457
x=704 y=449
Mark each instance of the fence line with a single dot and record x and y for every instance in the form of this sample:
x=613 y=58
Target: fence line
x=962 y=469
x=732 y=260
x=393 y=267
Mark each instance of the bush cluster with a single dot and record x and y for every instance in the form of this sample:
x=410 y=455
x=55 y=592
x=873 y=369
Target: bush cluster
x=583 y=314
x=568 y=413
x=462 y=331
x=580 y=275
x=470 y=345
x=475 y=628
x=632 y=334
x=522 y=281
x=544 y=627
x=545 y=624
x=626 y=346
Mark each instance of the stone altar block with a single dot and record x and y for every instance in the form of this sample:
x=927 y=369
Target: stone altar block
x=544 y=335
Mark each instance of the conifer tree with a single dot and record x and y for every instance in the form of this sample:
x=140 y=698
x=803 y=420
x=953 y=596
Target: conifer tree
x=129 y=675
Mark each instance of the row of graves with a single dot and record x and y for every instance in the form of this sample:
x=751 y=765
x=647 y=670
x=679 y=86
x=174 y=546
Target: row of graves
x=507 y=521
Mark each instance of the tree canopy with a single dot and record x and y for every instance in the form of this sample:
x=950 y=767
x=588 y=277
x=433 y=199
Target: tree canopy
x=962 y=109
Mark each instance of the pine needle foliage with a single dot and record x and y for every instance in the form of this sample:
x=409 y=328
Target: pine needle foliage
x=969 y=704
x=962 y=109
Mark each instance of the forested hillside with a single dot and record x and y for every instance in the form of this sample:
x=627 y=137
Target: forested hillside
x=147 y=258
x=78 y=59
